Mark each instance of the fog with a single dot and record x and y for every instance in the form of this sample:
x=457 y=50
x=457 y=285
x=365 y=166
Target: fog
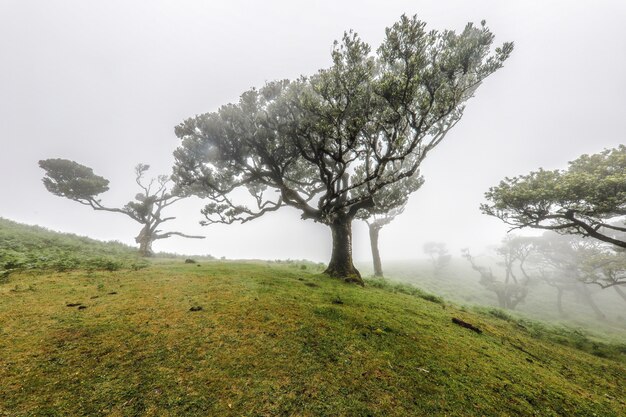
x=104 y=84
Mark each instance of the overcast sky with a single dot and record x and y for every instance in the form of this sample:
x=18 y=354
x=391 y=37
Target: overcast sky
x=105 y=82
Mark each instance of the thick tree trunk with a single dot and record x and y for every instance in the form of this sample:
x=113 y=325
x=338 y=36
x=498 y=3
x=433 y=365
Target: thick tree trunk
x=341 y=265
x=145 y=239
x=378 y=268
x=145 y=248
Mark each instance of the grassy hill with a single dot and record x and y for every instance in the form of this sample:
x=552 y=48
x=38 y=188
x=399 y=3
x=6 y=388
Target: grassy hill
x=459 y=284
x=24 y=247
x=274 y=340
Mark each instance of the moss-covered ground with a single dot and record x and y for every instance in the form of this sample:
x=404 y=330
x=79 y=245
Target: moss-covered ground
x=270 y=340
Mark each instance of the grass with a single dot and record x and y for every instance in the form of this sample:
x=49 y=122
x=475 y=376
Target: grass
x=459 y=284
x=274 y=340
x=25 y=247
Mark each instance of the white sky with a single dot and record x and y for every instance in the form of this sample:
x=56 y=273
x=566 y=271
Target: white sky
x=105 y=82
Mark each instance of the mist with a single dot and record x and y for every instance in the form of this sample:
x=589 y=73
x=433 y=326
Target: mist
x=105 y=84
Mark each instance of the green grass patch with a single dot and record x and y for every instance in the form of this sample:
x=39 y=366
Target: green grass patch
x=33 y=248
x=264 y=343
x=408 y=289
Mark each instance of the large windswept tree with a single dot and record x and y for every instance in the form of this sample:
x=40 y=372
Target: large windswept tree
x=587 y=199
x=77 y=182
x=329 y=143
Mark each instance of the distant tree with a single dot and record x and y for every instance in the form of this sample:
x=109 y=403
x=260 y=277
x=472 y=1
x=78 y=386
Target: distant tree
x=329 y=143
x=77 y=182
x=606 y=268
x=439 y=255
x=563 y=262
x=512 y=289
x=388 y=204
x=587 y=199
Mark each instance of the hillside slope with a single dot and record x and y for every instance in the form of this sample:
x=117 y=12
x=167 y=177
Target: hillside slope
x=26 y=247
x=269 y=340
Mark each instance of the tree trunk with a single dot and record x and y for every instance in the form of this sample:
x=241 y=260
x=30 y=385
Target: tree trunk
x=378 y=269
x=145 y=239
x=341 y=265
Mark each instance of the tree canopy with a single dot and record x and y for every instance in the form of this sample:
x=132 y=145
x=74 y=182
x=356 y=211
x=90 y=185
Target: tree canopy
x=587 y=199
x=328 y=144
x=77 y=182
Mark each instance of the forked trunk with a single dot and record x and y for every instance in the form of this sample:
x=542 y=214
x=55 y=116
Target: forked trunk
x=378 y=268
x=341 y=265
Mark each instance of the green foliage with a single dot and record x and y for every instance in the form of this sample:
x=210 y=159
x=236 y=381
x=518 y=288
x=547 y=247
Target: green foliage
x=72 y=180
x=34 y=248
x=587 y=199
x=345 y=139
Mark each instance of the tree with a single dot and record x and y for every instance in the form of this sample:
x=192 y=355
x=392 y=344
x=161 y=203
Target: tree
x=587 y=199
x=439 y=255
x=513 y=288
x=562 y=262
x=328 y=144
x=606 y=268
x=388 y=204
x=77 y=182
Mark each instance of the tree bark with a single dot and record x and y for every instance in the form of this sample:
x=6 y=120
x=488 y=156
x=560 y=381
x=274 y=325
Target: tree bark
x=340 y=265
x=145 y=239
x=378 y=268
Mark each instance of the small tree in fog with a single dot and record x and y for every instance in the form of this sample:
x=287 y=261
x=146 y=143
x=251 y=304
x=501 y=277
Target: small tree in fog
x=77 y=182
x=564 y=263
x=438 y=254
x=512 y=288
x=329 y=143
x=388 y=203
x=584 y=261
